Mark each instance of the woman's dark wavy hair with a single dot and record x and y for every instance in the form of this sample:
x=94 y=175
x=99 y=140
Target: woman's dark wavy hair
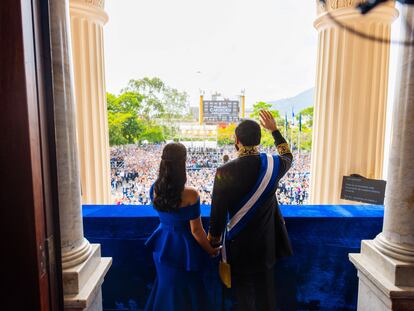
x=171 y=178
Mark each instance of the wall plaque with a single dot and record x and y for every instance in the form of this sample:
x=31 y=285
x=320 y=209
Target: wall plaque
x=361 y=189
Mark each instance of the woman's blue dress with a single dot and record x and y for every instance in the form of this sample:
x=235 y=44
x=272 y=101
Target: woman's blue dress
x=178 y=260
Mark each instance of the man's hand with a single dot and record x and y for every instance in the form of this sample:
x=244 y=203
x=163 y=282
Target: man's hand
x=216 y=252
x=267 y=120
x=214 y=241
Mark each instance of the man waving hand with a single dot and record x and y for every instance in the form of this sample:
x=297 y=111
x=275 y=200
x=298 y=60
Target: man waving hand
x=245 y=215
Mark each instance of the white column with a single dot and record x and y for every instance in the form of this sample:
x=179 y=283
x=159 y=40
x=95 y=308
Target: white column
x=87 y=20
x=386 y=264
x=350 y=98
x=83 y=267
x=399 y=199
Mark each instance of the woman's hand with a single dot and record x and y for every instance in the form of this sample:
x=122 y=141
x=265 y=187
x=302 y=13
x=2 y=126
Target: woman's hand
x=200 y=236
x=267 y=121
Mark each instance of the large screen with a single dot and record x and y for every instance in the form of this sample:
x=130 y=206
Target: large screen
x=221 y=111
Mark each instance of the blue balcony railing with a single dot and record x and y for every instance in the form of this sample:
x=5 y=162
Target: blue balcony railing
x=318 y=277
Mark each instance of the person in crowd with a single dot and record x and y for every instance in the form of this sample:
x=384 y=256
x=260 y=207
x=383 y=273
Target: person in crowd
x=226 y=158
x=255 y=234
x=179 y=244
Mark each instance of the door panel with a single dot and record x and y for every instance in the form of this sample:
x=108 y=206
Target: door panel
x=28 y=201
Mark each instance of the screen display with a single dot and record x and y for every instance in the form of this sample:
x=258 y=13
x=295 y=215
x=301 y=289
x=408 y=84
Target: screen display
x=221 y=111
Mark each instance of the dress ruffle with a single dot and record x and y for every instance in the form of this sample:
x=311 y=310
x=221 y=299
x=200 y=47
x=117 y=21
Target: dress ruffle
x=179 y=260
x=175 y=246
x=172 y=242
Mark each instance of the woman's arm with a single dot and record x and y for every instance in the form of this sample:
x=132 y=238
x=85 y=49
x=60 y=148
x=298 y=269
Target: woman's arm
x=200 y=235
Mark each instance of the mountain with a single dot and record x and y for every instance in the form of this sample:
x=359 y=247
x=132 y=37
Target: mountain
x=297 y=103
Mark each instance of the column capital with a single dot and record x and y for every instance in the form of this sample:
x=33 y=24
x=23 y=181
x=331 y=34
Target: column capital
x=97 y=3
x=332 y=5
x=345 y=11
x=92 y=9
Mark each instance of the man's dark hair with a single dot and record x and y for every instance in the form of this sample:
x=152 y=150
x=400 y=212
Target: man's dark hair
x=248 y=132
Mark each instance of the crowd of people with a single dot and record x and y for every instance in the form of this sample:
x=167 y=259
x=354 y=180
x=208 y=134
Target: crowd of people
x=134 y=169
x=294 y=186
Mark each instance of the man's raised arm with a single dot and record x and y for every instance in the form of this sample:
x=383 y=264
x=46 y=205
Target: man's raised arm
x=285 y=155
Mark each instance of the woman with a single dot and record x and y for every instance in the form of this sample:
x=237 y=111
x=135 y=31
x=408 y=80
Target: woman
x=179 y=244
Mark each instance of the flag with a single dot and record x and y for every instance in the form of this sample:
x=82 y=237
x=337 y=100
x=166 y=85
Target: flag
x=286 y=122
x=300 y=122
x=293 y=117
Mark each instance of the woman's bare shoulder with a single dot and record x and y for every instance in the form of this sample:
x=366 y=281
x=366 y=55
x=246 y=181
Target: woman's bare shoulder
x=190 y=195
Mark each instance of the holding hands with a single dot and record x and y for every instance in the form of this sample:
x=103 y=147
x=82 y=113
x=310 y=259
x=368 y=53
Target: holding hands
x=267 y=120
x=215 y=252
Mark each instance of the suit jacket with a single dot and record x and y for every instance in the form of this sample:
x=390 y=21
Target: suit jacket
x=265 y=238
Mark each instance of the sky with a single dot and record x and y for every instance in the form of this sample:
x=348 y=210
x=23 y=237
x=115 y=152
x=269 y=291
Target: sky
x=265 y=47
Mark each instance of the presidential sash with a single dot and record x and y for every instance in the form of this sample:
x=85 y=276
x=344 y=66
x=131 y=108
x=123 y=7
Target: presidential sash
x=248 y=206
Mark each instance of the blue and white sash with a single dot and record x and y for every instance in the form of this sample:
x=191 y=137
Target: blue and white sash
x=251 y=202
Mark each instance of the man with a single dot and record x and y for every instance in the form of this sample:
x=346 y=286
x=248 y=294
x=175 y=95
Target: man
x=243 y=194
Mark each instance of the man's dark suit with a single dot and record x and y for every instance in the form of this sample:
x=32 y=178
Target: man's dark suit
x=253 y=252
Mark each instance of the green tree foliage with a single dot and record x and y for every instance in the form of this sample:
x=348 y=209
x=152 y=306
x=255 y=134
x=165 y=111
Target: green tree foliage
x=291 y=133
x=306 y=133
x=115 y=126
x=265 y=106
x=158 y=99
x=175 y=104
x=307 y=117
x=151 y=90
x=267 y=139
x=225 y=134
x=138 y=113
x=153 y=134
x=123 y=122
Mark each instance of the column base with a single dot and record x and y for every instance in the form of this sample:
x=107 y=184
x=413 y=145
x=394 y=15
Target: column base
x=82 y=284
x=385 y=284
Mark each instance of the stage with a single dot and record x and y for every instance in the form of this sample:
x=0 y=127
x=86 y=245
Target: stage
x=318 y=277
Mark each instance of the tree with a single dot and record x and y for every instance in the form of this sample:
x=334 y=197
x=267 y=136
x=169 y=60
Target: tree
x=145 y=110
x=307 y=117
x=128 y=101
x=171 y=132
x=306 y=126
x=158 y=99
x=151 y=90
x=115 y=127
x=267 y=138
x=153 y=134
x=225 y=134
x=124 y=124
x=174 y=104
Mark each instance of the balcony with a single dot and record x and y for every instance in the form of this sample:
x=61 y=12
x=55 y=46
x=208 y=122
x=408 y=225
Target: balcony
x=318 y=277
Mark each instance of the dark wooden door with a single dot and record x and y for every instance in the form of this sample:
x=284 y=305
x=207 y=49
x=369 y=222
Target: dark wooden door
x=28 y=189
